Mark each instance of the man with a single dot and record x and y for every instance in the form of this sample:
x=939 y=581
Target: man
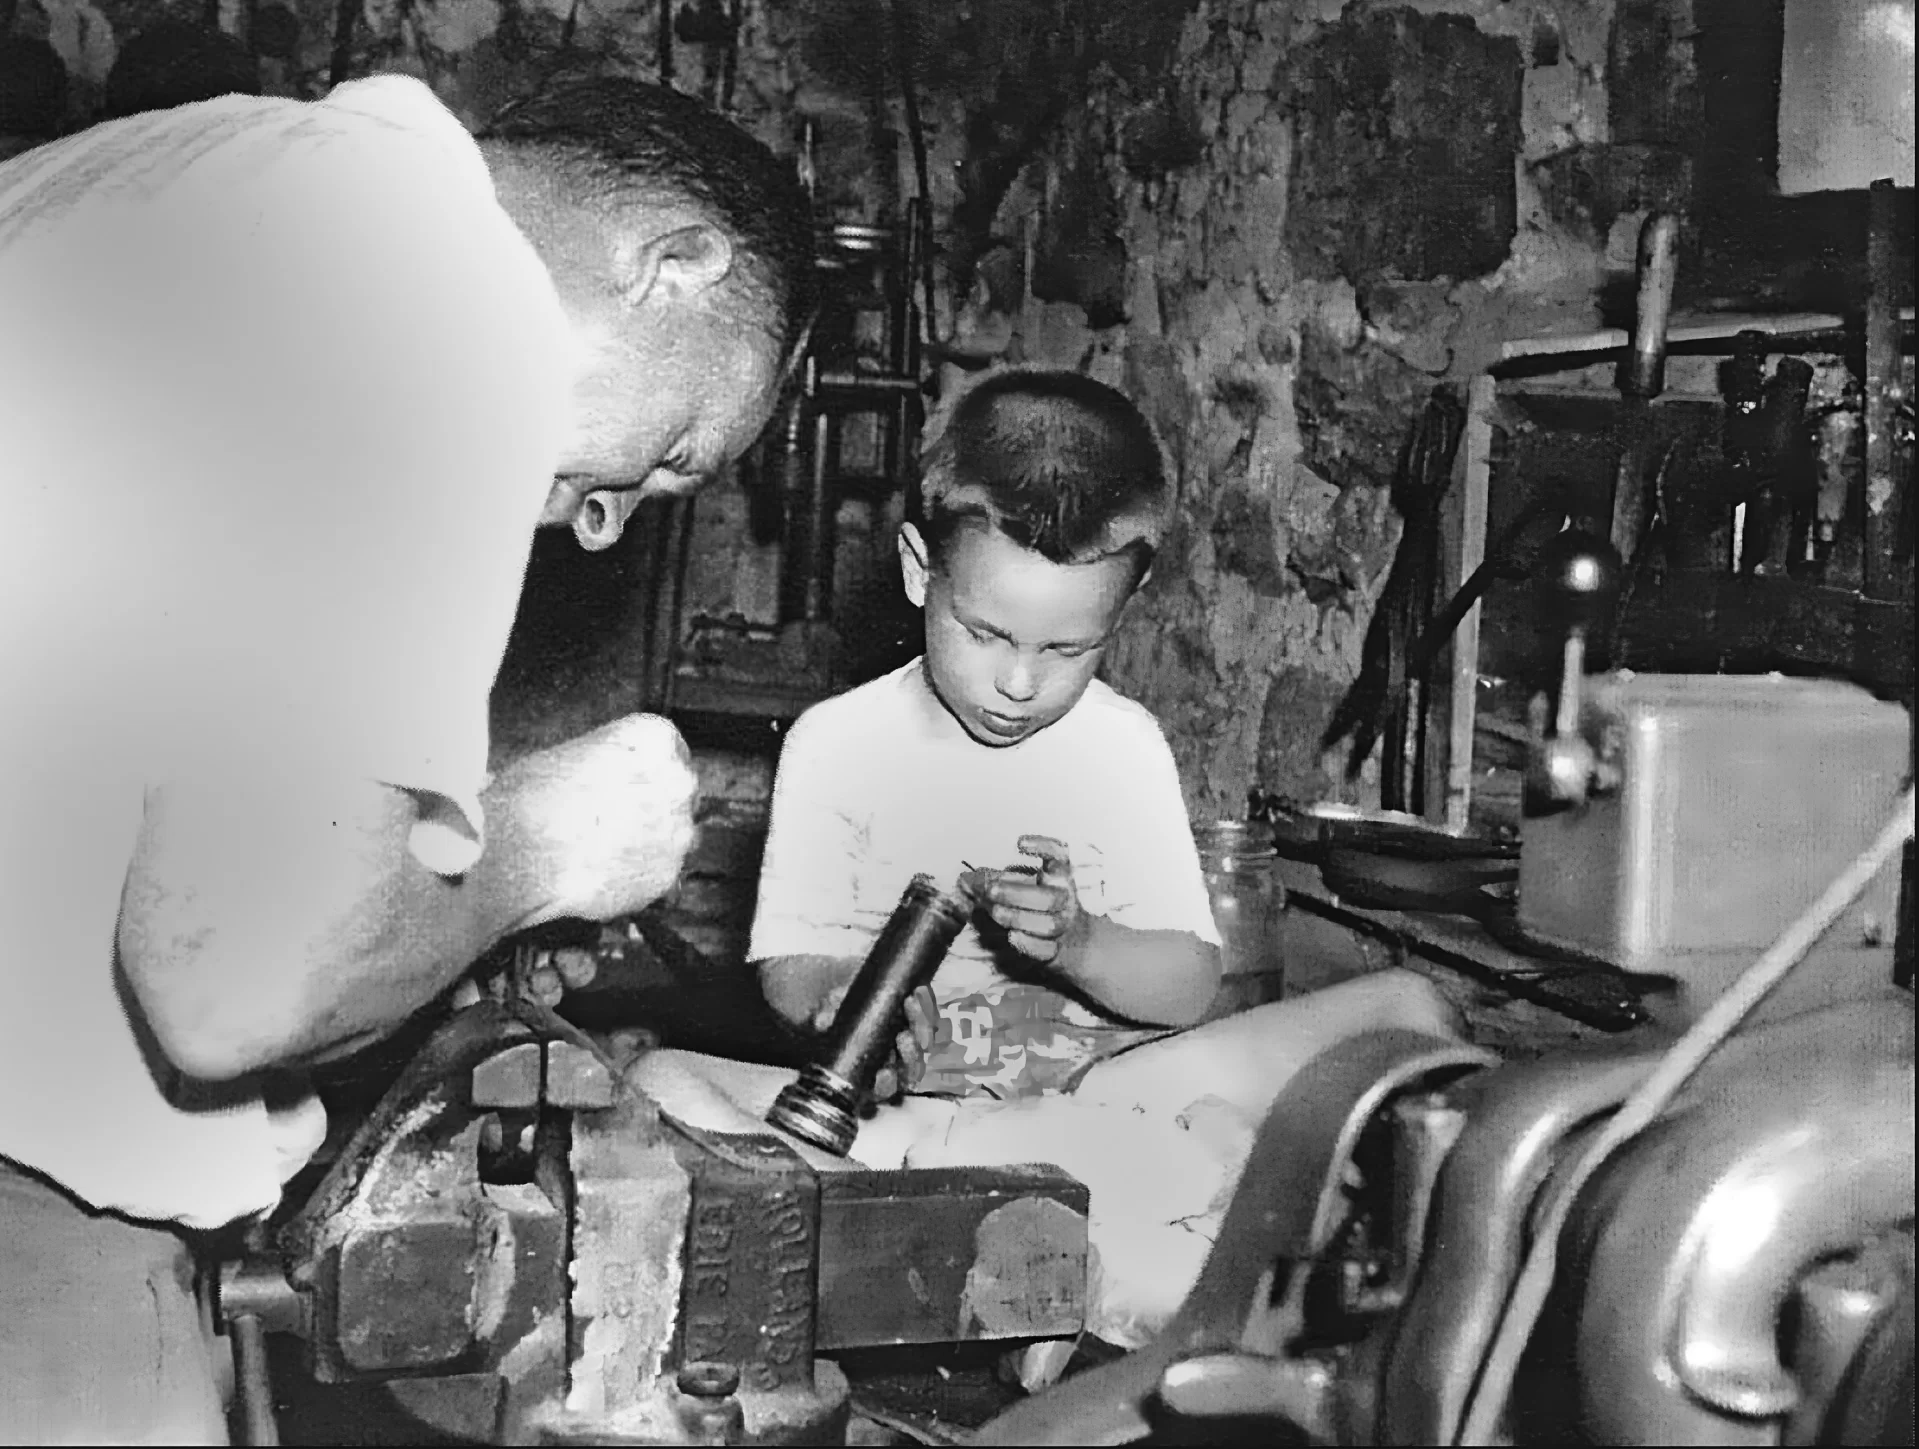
x=284 y=388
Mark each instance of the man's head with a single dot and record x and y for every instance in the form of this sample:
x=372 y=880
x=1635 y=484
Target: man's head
x=682 y=251
x=1043 y=496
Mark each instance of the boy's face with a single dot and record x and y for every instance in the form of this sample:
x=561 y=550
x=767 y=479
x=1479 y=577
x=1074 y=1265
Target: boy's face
x=1012 y=639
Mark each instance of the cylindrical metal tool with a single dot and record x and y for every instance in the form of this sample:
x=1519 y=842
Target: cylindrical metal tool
x=821 y=1107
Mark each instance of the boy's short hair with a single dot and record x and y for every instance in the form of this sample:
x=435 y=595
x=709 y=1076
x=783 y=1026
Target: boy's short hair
x=1057 y=462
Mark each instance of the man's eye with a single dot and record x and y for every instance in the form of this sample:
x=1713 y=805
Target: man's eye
x=979 y=636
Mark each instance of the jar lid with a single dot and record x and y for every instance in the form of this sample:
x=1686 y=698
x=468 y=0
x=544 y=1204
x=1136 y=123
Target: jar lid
x=1248 y=839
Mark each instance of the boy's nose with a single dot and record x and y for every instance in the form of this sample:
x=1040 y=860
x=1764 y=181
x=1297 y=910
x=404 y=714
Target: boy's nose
x=1016 y=681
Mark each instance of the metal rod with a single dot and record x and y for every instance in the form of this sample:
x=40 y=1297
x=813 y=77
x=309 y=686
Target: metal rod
x=345 y=18
x=820 y=520
x=795 y=503
x=252 y=1380
x=867 y=382
x=1882 y=394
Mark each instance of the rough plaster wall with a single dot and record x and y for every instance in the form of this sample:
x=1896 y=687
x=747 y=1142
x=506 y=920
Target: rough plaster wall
x=1283 y=384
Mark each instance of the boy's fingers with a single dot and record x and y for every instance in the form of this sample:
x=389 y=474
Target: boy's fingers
x=577 y=968
x=1019 y=895
x=1052 y=854
x=830 y=1008
x=547 y=986
x=1047 y=922
x=922 y=1017
x=912 y=1061
x=1035 y=948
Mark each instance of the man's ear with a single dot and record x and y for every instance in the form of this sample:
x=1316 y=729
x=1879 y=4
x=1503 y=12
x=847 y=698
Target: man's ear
x=915 y=564
x=681 y=263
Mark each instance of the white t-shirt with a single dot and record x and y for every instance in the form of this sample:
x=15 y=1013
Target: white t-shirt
x=880 y=784
x=282 y=391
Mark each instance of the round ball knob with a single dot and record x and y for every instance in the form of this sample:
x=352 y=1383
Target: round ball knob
x=1579 y=574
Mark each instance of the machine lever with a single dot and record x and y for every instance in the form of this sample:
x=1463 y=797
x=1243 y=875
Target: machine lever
x=1246 y=1385
x=1579 y=572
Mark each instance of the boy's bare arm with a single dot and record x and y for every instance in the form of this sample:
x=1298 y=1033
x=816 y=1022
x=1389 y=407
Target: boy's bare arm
x=1162 y=978
x=805 y=990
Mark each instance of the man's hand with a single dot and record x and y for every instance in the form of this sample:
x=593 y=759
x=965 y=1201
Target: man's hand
x=542 y=976
x=1039 y=909
x=607 y=818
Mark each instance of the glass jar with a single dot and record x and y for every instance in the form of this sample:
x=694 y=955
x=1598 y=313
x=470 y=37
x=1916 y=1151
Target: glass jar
x=1242 y=878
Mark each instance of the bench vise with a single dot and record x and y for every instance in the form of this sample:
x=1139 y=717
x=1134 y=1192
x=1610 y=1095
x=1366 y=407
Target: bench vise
x=524 y=1250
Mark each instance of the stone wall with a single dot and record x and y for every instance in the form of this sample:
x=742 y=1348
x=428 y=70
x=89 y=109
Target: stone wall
x=1279 y=223
x=1340 y=209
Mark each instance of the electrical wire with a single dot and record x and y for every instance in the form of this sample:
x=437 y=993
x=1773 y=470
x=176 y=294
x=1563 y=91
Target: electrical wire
x=1643 y=1107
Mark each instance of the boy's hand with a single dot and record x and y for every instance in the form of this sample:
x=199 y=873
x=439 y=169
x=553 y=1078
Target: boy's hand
x=1038 y=910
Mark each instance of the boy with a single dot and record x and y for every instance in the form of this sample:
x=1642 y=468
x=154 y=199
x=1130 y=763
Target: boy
x=1042 y=502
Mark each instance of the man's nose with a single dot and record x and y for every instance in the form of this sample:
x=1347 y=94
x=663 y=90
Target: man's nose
x=1016 y=680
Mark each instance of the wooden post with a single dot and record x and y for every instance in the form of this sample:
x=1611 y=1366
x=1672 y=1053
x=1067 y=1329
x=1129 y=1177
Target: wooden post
x=1476 y=459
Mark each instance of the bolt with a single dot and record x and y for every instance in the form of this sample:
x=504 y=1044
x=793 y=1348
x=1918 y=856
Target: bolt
x=709 y=1380
x=708 y=1407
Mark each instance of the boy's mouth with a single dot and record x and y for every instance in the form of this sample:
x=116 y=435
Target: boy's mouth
x=1006 y=726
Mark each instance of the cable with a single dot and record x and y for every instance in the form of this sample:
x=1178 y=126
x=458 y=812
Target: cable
x=1647 y=1101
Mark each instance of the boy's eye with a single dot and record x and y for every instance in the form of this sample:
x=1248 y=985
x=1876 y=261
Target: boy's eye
x=979 y=636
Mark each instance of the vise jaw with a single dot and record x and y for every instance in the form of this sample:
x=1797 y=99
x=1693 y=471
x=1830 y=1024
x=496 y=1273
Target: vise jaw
x=522 y=1249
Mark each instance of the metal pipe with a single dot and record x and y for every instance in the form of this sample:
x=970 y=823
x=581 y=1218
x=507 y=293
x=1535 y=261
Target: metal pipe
x=1882 y=394
x=1518 y=1120
x=252 y=1380
x=867 y=382
x=1642 y=376
x=821 y=513
x=1709 y=1221
x=795 y=502
x=346 y=17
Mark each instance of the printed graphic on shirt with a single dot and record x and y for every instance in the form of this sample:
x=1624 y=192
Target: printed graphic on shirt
x=1018 y=1039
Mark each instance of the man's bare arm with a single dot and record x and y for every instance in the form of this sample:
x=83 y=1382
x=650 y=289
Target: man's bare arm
x=802 y=989
x=257 y=932
x=277 y=922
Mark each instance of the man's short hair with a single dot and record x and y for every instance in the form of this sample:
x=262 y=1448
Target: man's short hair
x=628 y=140
x=1057 y=462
